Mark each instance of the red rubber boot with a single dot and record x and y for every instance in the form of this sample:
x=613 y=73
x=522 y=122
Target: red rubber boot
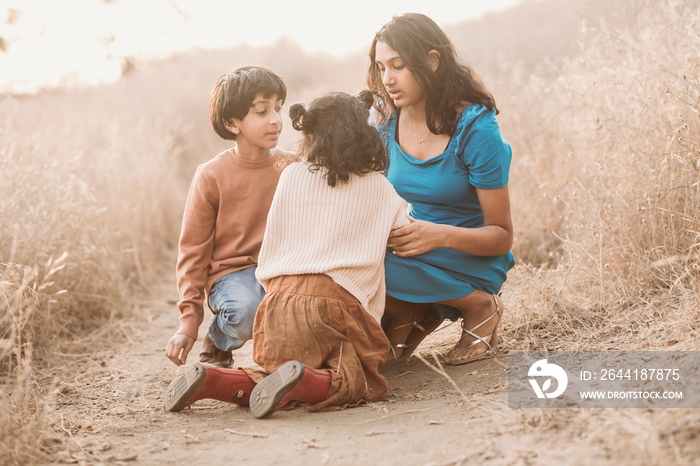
x=292 y=381
x=204 y=381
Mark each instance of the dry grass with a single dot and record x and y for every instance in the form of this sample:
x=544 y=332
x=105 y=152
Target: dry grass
x=90 y=200
x=611 y=158
x=605 y=190
x=606 y=199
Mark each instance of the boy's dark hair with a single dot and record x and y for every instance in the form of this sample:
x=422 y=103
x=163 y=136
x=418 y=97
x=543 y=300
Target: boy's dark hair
x=338 y=136
x=234 y=92
x=413 y=36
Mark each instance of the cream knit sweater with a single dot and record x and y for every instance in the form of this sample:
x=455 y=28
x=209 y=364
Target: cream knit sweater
x=339 y=231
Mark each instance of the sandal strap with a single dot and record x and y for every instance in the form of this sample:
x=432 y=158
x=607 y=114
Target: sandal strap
x=399 y=346
x=414 y=323
x=478 y=339
x=402 y=346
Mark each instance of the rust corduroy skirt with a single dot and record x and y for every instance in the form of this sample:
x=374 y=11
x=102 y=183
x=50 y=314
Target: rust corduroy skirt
x=312 y=319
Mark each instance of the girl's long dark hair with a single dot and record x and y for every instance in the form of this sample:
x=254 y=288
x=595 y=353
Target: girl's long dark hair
x=451 y=85
x=338 y=136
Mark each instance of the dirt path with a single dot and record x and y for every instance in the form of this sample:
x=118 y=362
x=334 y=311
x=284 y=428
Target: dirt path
x=113 y=407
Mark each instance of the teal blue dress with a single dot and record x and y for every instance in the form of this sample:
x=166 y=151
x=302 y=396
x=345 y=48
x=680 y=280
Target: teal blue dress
x=443 y=190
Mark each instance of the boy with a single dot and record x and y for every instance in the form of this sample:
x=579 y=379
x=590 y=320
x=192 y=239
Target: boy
x=225 y=215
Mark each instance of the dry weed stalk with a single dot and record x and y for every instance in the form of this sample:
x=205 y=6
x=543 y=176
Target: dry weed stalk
x=440 y=370
x=25 y=406
x=26 y=436
x=24 y=291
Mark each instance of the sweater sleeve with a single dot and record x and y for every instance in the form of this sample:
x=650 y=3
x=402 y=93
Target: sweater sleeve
x=195 y=252
x=401 y=218
x=275 y=215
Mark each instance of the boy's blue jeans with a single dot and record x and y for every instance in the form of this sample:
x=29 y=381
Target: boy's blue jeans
x=234 y=299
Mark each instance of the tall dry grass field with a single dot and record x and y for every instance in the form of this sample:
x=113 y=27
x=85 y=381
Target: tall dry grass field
x=89 y=199
x=602 y=108
x=605 y=189
x=606 y=203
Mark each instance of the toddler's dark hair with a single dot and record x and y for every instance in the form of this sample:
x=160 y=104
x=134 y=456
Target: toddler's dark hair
x=338 y=136
x=234 y=92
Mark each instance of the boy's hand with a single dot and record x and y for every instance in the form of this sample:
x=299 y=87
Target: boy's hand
x=179 y=346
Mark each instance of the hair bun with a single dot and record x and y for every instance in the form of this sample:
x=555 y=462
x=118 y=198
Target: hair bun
x=366 y=97
x=296 y=112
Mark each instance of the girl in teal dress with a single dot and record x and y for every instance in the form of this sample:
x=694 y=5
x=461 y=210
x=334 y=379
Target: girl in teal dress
x=449 y=161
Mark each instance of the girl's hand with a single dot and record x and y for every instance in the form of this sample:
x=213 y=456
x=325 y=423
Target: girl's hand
x=416 y=238
x=179 y=346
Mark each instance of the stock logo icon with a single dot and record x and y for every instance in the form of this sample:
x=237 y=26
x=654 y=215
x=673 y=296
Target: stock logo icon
x=541 y=369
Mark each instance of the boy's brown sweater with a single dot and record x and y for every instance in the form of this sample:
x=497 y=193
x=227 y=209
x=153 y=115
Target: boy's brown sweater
x=222 y=226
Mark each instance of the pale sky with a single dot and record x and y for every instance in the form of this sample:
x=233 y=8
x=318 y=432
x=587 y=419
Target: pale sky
x=73 y=42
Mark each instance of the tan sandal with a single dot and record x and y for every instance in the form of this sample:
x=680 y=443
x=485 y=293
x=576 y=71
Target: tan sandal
x=491 y=343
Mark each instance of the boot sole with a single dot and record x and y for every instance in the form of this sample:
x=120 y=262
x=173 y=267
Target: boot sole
x=267 y=394
x=184 y=386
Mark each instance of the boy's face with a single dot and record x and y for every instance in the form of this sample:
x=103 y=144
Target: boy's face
x=262 y=125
